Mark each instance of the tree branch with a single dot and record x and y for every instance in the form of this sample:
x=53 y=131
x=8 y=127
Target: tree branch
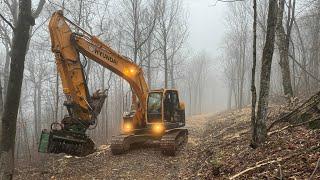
x=8 y=22
x=37 y=12
x=315 y=169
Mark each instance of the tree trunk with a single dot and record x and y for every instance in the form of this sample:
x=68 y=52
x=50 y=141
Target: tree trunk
x=9 y=118
x=6 y=71
x=314 y=54
x=242 y=74
x=260 y=123
x=190 y=98
x=172 y=73
x=305 y=77
x=1 y=101
x=165 y=58
x=253 y=75
x=25 y=133
x=149 y=63
x=283 y=44
x=229 y=96
x=35 y=113
x=39 y=92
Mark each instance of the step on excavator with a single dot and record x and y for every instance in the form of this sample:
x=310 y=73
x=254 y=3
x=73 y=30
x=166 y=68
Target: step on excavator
x=156 y=115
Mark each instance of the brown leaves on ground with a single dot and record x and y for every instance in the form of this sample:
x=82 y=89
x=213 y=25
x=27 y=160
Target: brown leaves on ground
x=218 y=148
x=145 y=162
x=225 y=152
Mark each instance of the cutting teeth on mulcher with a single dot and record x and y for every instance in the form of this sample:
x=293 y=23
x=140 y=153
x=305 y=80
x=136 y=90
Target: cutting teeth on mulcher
x=60 y=141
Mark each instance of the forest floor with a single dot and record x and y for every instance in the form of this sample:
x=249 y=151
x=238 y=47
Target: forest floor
x=218 y=148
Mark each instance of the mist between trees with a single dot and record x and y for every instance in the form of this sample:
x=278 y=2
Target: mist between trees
x=154 y=35
x=151 y=33
x=295 y=65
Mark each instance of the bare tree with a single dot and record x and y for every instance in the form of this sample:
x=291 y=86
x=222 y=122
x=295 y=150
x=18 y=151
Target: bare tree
x=235 y=52
x=171 y=34
x=196 y=82
x=283 y=44
x=262 y=112
x=315 y=35
x=253 y=73
x=9 y=117
x=139 y=19
x=37 y=75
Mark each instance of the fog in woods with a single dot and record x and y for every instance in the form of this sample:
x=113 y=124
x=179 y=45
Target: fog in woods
x=239 y=78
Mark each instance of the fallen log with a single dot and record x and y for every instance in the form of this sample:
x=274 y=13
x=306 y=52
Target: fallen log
x=308 y=106
x=294 y=125
x=254 y=167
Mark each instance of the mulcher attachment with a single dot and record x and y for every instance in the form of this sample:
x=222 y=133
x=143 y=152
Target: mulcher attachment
x=69 y=136
x=61 y=141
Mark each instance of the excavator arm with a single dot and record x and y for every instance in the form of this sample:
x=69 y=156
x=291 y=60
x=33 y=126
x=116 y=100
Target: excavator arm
x=82 y=107
x=66 y=46
x=94 y=49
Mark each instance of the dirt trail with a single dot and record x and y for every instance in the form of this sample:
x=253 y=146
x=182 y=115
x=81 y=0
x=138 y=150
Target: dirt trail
x=143 y=163
x=218 y=148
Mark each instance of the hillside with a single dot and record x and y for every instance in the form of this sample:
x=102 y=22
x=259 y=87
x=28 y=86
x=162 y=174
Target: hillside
x=218 y=148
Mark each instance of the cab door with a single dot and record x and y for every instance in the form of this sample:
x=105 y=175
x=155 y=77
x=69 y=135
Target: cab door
x=173 y=113
x=154 y=107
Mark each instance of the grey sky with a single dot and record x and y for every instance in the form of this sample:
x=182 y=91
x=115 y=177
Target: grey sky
x=206 y=31
x=206 y=25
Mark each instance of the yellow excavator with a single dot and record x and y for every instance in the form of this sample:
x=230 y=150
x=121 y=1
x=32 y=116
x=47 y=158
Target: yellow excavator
x=155 y=114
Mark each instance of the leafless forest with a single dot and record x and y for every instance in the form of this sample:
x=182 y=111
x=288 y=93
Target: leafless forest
x=265 y=69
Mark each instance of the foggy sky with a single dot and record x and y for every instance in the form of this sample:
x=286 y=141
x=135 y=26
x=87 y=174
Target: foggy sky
x=206 y=30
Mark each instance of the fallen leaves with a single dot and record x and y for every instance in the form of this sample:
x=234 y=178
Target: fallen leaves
x=290 y=152
x=218 y=148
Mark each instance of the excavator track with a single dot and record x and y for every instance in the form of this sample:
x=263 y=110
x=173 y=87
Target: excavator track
x=119 y=144
x=172 y=141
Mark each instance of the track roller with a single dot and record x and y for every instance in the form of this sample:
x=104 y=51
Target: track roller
x=172 y=141
x=119 y=144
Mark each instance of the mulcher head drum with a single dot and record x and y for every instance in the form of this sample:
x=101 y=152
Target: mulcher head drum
x=61 y=141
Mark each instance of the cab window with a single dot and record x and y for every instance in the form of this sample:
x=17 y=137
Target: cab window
x=154 y=103
x=154 y=107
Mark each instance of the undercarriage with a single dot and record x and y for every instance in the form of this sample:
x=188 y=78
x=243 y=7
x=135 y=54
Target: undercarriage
x=170 y=142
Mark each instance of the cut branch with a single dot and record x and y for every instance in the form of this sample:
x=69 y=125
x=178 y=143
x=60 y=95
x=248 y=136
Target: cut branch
x=258 y=165
x=293 y=125
x=255 y=167
x=302 y=109
x=315 y=169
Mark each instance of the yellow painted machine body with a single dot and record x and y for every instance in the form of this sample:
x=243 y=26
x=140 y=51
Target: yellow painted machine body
x=69 y=135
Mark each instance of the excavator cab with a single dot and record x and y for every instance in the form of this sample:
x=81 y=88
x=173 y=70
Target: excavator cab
x=163 y=106
x=163 y=112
